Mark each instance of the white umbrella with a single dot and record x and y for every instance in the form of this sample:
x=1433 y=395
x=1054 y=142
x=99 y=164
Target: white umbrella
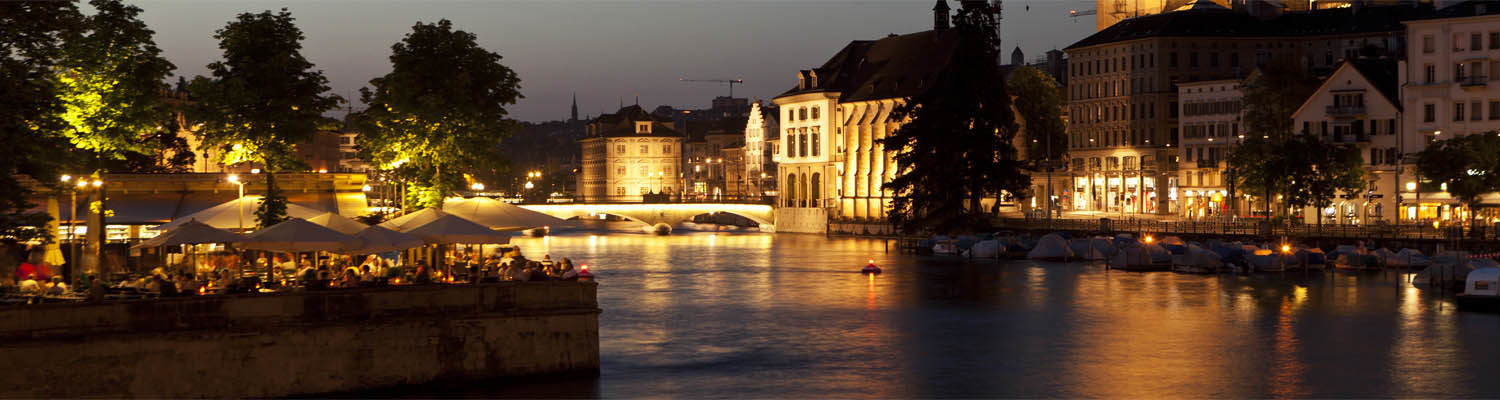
x=450 y=229
x=375 y=239
x=298 y=235
x=410 y=221
x=339 y=223
x=228 y=214
x=499 y=215
x=190 y=232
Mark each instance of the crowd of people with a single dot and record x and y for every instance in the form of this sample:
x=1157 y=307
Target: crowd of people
x=227 y=274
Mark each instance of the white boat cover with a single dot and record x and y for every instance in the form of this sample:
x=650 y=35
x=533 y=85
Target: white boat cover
x=1084 y=249
x=1483 y=282
x=985 y=249
x=1050 y=247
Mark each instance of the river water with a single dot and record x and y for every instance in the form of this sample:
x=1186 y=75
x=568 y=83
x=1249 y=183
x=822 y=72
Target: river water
x=754 y=315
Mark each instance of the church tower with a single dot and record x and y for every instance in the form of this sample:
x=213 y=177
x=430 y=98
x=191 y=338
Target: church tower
x=574 y=116
x=940 y=15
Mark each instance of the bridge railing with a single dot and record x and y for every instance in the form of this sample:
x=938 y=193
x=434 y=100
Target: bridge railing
x=658 y=199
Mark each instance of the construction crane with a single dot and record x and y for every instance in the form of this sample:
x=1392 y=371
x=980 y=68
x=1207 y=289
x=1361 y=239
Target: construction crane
x=731 y=82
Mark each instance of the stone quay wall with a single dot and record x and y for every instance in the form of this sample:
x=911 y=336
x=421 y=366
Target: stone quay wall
x=282 y=344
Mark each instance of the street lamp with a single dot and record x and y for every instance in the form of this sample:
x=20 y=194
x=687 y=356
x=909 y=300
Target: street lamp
x=239 y=201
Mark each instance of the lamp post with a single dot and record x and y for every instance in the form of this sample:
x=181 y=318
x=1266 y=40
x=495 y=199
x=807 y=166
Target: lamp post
x=72 y=224
x=239 y=202
x=103 y=234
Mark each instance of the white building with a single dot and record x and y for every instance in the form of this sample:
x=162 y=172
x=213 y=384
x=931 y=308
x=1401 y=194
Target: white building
x=1210 y=124
x=832 y=165
x=1358 y=105
x=760 y=173
x=1449 y=87
x=628 y=155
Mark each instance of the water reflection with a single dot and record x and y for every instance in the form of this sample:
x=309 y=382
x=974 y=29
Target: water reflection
x=759 y=315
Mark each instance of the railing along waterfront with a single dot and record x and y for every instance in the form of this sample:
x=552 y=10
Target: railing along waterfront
x=1251 y=228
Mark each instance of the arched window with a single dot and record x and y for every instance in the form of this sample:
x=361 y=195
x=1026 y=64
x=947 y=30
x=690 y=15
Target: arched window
x=791 y=190
x=802 y=201
x=815 y=190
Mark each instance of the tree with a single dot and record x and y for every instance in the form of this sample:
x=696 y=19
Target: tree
x=1319 y=171
x=956 y=146
x=31 y=40
x=263 y=98
x=112 y=81
x=1038 y=100
x=1273 y=94
x=440 y=110
x=1467 y=166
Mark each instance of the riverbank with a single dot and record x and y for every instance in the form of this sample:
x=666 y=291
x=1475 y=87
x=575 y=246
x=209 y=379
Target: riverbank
x=283 y=344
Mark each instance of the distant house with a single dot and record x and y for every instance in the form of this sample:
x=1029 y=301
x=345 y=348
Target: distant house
x=629 y=155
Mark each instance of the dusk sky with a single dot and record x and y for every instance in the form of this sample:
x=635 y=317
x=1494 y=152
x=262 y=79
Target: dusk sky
x=605 y=51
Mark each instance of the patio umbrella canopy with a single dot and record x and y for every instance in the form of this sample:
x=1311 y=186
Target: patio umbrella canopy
x=298 y=235
x=410 y=221
x=450 y=229
x=339 y=223
x=190 y=232
x=227 y=215
x=499 y=215
x=375 y=239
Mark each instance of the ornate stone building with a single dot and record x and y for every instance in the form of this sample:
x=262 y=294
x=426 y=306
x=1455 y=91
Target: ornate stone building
x=831 y=164
x=629 y=155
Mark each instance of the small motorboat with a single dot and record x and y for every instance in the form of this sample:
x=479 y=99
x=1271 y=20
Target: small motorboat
x=870 y=269
x=583 y=272
x=1481 y=290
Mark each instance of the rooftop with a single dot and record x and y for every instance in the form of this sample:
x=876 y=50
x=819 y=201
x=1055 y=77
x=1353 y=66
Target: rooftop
x=1196 y=21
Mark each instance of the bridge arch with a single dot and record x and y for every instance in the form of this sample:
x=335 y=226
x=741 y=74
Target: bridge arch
x=655 y=215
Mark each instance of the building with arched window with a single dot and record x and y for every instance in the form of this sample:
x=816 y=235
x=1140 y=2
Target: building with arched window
x=630 y=155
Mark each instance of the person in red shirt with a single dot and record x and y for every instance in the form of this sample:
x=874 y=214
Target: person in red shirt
x=35 y=265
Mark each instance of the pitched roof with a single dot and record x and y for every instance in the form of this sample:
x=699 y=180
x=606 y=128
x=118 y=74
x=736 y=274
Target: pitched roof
x=1220 y=22
x=622 y=123
x=895 y=66
x=1383 y=73
x=1471 y=8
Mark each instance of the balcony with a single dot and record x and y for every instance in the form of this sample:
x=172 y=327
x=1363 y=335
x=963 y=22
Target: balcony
x=1473 y=81
x=1345 y=110
x=1208 y=163
x=1351 y=138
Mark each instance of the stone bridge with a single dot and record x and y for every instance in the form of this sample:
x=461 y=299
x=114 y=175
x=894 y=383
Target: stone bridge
x=659 y=217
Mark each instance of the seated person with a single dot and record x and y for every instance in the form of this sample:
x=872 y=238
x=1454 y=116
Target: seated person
x=57 y=287
x=29 y=286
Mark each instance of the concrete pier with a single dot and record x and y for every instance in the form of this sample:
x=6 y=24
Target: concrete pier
x=281 y=344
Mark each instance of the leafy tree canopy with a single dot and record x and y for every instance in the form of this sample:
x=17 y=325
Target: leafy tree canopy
x=112 y=82
x=1469 y=165
x=1274 y=94
x=440 y=111
x=956 y=147
x=262 y=99
x=32 y=34
x=1038 y=99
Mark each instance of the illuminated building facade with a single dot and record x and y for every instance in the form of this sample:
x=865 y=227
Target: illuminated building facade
x=1123 y=87
x=629 y=156
x=760 y=168
x=1209 y=122
x=832 y=165
x=1359 y=105
x=1450 y=87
